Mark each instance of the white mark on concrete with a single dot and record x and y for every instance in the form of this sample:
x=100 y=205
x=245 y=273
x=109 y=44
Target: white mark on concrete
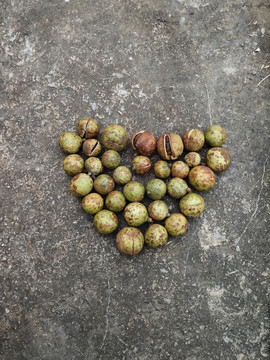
x=185 y=266
x=263 y=80
x=256 y=204
x=210 y=237
x=106 y=318
x=230 y=70
x=208 y=104
x=214 y=300
x=94 y=106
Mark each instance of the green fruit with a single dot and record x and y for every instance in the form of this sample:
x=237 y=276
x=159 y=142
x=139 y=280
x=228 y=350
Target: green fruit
x=104 y=184
x=92 y=203
x=88 y=128
x=134 y=191
x=158 y=210
x=193 y=140
x=70 y=142
x=81 y=184
x=105 y=222
x=111 y=159
x=129 y=241
x=201 y=178
x=177 y=188
x=156 y=189
x=162 y=169
x=115 y=137
x=180 y=169
x=141 y=164
x=135 y=214
x=176 y=224
x=156 y=236
x=192 y=205
x=115 y=201
x=218 y=159
x=73 y=164
x=93 y=166
x=122 y=175
x=193 y=159
x=91 y=147
x=215 y=135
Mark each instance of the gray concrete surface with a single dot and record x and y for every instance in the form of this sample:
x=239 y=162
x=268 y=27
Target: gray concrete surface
x=66 y=292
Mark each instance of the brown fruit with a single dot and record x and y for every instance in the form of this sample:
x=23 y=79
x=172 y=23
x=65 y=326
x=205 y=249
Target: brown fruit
x=169 y=146
x=144 y=142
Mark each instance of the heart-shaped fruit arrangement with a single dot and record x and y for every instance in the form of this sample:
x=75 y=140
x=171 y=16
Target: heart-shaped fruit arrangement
x=90 y=174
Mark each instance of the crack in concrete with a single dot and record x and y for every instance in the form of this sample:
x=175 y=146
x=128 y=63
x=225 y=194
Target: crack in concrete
x=256 y=204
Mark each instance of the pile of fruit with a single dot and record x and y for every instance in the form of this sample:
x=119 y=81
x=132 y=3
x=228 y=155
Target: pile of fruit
x=89 y=174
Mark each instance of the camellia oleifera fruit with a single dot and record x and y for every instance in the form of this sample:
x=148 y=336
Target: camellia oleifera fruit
x=158 y=210
x=218 y=159
x=176 y=224
x=135 y=214
x=156 y=236
x=81 y=184
x=115 y=137
x=192 y=205
x=201 y=178
x=92 y=203
x=193 y=140
x=73 y=164
x=105 y=221
x=129 y=241
x=115 y=201
x=215 y=135
x=70 y=142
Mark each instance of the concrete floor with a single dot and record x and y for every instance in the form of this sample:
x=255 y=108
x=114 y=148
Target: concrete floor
x=66 y=292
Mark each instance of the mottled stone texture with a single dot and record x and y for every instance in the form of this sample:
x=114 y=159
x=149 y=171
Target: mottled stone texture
x=162 y=65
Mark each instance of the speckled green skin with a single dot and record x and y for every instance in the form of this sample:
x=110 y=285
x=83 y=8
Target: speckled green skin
x=106 y=222
x=162 y=169
x=191 y=205
x=176 y=224
x=158 y=210
x=104 y=184
x=93 y=166
x=218 y=159
x=115 y=137
x=180 y=169
x=201 y=178
x=156 y=236
x=135 y=214
x=176 y=145
x=156 y=189
x=129 y=241
x=134 y=191
x=70 y=142
x=81 y=184
x=88 y=128
x=111 y=159
x=73 y=164
x=115 y=201
x=193 y=140
x=177 y=188
x=215 y=135
x=92 y=203
x=141 y=164
x=92 y=147
x=122 y=175
x=193 y=159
